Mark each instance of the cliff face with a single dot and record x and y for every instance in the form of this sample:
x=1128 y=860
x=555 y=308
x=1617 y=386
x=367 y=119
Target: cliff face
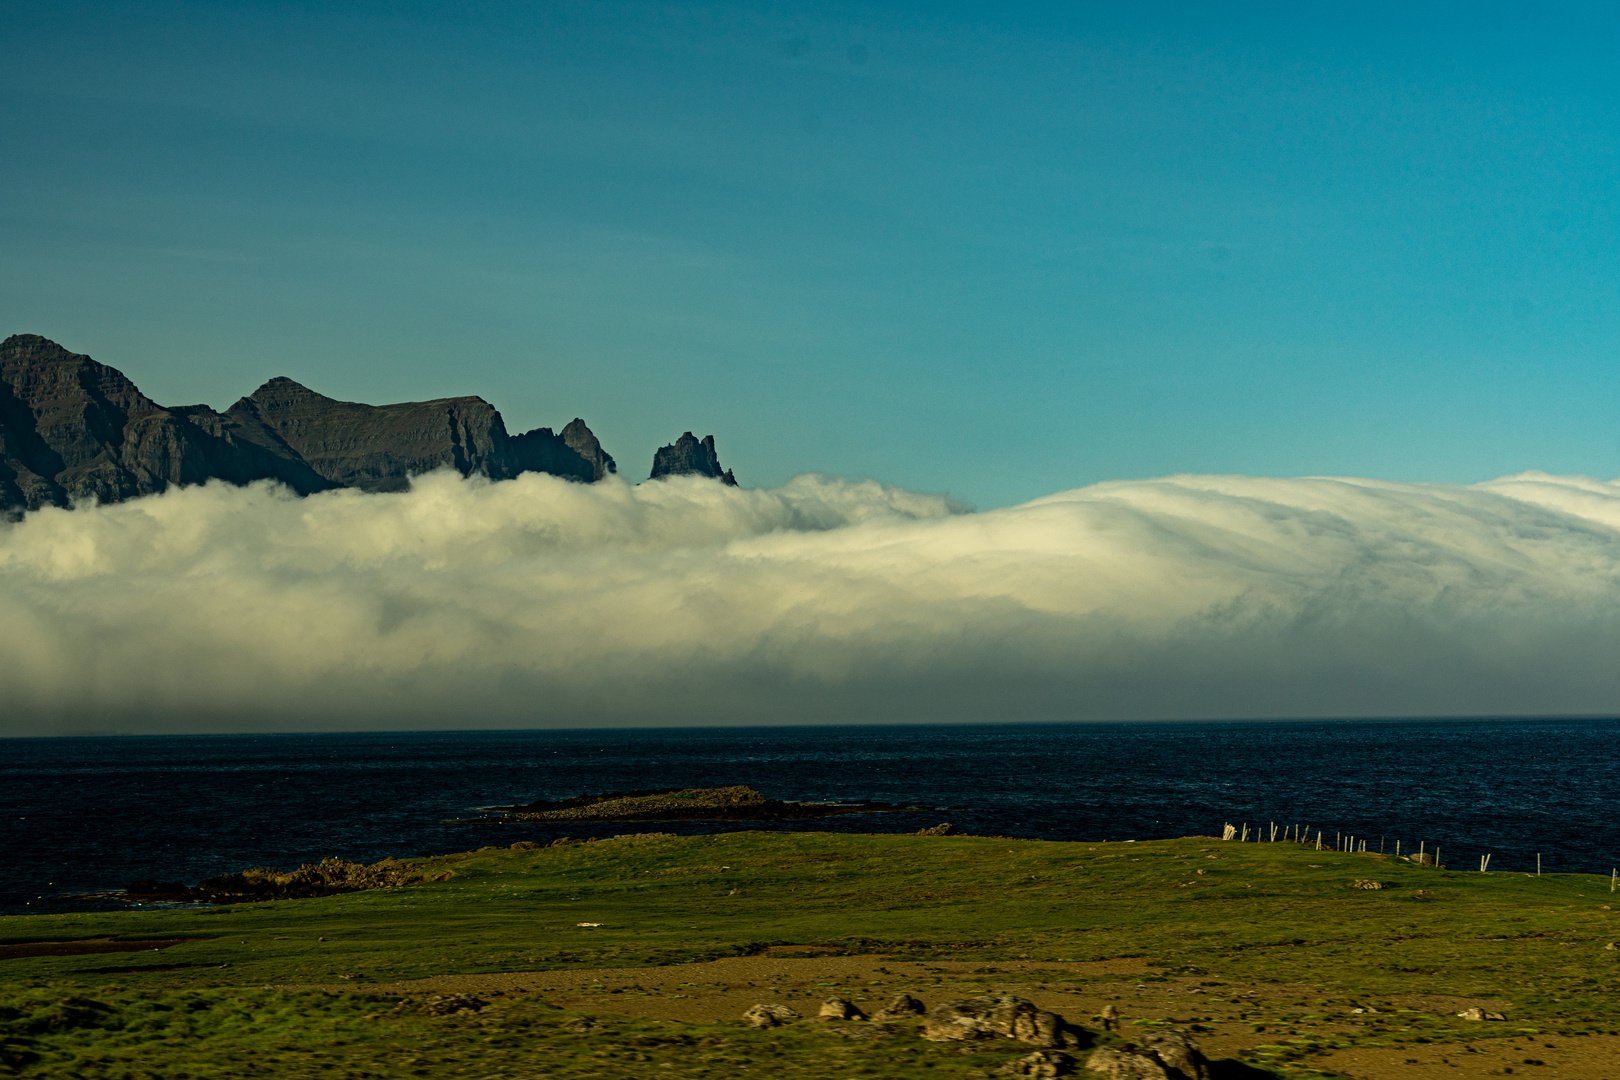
x=378 y=447
x=582 y=442
x=71 y=428
x=687 y=456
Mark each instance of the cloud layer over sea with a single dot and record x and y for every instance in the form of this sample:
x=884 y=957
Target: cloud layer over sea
x=538 y=602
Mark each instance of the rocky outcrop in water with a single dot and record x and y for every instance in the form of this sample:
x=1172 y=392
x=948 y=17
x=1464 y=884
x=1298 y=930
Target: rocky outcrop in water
x=736 y=803
x=687 y=456
x=72 y=428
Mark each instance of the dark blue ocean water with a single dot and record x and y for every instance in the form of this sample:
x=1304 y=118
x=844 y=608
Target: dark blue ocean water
x=86 y=814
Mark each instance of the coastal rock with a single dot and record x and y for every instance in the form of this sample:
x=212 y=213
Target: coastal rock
x=837 y=1008
x=687 y=456
x=944 y=828
x=903 y=1007
x=736 y=802
x=769 y=1016
x=1042 y=1063
x=325 y=878
x=993 y=1015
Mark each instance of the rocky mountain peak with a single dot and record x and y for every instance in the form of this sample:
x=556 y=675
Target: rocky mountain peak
x=579 y=439
x=71 y=428
x=689 y=456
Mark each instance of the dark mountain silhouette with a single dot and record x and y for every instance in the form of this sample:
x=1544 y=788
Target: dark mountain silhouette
x=687 y=456
x=71 y=428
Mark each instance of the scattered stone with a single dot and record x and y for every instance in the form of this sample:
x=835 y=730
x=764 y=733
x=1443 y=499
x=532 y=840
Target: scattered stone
x=859 y=1032
x=1364 y=883
x=1182 y=1057
x=1041 y=1063
x=837 y=1008
x=442 y=1005
x=769 y=1016
x=944 y=828
x=1125 y=1063
x=1477 y=1013
x=1166 y=1055
x=992 y=1015
x=903 y=1007
x=1611 y=946
x=581 y=1025
x=1109 y=1017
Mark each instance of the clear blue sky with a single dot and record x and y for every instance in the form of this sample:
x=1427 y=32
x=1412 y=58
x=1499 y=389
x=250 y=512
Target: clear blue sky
x=980 y=248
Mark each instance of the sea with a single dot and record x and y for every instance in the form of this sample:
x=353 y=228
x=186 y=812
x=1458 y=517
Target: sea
x=82 y=817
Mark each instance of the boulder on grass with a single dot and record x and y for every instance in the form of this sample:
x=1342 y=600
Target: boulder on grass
x=1164 y=1055
x=1042 y=1063
x=998 y=1015
x=837 y=1008
x=903 y=1007
x=769 y=1016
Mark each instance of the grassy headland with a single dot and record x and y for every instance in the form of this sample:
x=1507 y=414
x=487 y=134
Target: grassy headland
x=1263 y=949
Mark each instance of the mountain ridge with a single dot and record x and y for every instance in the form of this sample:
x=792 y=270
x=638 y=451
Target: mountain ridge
x=72 y=428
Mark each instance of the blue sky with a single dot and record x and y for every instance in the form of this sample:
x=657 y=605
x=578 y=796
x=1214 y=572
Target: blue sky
x=992 y=250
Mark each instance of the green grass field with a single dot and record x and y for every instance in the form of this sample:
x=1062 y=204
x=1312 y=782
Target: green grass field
x=1258 y=914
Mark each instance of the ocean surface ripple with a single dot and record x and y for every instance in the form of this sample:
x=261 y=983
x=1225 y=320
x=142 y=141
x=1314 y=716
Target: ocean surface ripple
x=84 y=815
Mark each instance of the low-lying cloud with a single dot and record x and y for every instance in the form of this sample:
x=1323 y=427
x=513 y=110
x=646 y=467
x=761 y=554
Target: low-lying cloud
x=538 y=602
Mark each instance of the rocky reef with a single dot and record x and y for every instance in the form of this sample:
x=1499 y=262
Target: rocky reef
x=688 y=456
x=735 y=803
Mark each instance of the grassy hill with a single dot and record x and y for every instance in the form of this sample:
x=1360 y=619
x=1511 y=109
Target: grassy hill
x=1278 y=946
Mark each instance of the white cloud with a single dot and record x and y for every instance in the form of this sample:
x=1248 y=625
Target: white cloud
x=538 y=602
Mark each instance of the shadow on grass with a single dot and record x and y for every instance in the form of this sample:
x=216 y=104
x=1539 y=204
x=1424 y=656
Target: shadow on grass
x=1232 y=1069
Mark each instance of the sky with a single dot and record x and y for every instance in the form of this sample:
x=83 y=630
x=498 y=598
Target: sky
x=1076 y=362
x=988 y=251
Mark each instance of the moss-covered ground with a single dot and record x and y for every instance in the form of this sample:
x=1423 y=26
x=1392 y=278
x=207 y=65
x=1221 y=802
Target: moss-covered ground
x=1293 y=968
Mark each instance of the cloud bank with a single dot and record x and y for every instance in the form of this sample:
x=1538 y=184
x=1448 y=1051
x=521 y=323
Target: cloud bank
x=538 y=602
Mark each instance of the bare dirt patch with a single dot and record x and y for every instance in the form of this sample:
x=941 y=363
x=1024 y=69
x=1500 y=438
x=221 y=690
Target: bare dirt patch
x=1552 y=1057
